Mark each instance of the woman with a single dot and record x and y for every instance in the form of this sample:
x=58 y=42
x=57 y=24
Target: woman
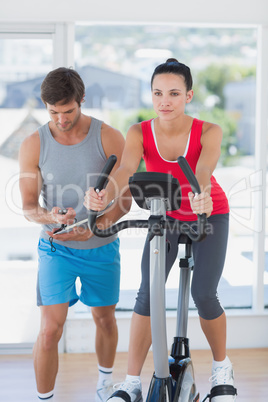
x=160 y=141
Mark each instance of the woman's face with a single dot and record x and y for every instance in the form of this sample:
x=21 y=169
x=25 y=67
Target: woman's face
x=169 y=95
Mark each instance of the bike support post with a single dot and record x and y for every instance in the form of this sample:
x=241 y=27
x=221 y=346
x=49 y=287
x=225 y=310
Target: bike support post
x=186 y=265
x=157 y=295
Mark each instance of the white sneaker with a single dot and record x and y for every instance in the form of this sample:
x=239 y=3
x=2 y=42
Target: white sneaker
x=104 y=391
x=127 y=391
x=223 y=376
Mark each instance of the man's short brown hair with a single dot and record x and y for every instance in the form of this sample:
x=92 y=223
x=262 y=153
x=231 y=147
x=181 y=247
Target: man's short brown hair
x=62 y=85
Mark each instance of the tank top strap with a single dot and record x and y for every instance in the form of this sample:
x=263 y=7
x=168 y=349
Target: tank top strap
x=195 y=146
x=147 y=135
x=197 y=128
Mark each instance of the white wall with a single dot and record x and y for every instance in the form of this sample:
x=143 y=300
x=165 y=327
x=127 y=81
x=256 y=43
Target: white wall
x=194 y=11
x=79 y=334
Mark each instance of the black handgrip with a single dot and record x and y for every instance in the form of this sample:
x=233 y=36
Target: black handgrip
x=200 y=233
x=189 y=174
x=111 y=161
x=101 y=181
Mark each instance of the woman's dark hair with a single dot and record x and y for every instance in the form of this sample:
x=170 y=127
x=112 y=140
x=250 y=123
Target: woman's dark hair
x=62 y=85
x=173 y=66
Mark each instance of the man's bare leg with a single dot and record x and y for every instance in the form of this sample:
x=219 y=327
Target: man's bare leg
x=45 y=350
x=106 y=334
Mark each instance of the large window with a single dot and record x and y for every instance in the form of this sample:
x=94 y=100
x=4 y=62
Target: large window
x=24 y=63
x=116 y=63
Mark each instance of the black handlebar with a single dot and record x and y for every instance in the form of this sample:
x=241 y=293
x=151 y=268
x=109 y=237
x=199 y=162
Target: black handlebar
x=196 y=233
x=184 y=165
x=202 y=218
x=101 y=181
x=103 y=177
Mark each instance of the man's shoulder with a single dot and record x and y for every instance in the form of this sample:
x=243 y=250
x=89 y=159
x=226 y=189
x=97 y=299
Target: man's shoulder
x=29 y=149
x=31 y=140
x=112 y=140
x=107 y=129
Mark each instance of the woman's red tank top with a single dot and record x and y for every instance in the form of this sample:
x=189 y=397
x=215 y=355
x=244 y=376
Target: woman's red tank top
x=155 y=163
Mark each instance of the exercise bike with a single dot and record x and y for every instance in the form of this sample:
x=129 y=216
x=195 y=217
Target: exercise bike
x=173 y=378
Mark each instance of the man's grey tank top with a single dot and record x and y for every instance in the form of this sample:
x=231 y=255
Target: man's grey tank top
x=67 y=172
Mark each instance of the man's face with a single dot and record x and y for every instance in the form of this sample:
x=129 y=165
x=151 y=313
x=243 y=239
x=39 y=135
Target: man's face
x=64 y=116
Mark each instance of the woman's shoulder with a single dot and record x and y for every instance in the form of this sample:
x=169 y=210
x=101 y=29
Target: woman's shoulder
x=135 y=129
x=134 y=135
x=211 y=128
x=211 y=133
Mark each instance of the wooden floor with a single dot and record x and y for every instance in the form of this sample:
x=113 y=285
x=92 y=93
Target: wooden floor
x=77 y=376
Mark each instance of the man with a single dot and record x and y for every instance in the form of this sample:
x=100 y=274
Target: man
x=60 y=161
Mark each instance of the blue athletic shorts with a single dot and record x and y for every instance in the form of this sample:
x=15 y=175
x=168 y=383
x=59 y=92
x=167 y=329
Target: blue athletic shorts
x=98 y=270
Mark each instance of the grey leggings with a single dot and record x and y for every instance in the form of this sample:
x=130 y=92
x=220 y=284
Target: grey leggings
x=209 y=257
